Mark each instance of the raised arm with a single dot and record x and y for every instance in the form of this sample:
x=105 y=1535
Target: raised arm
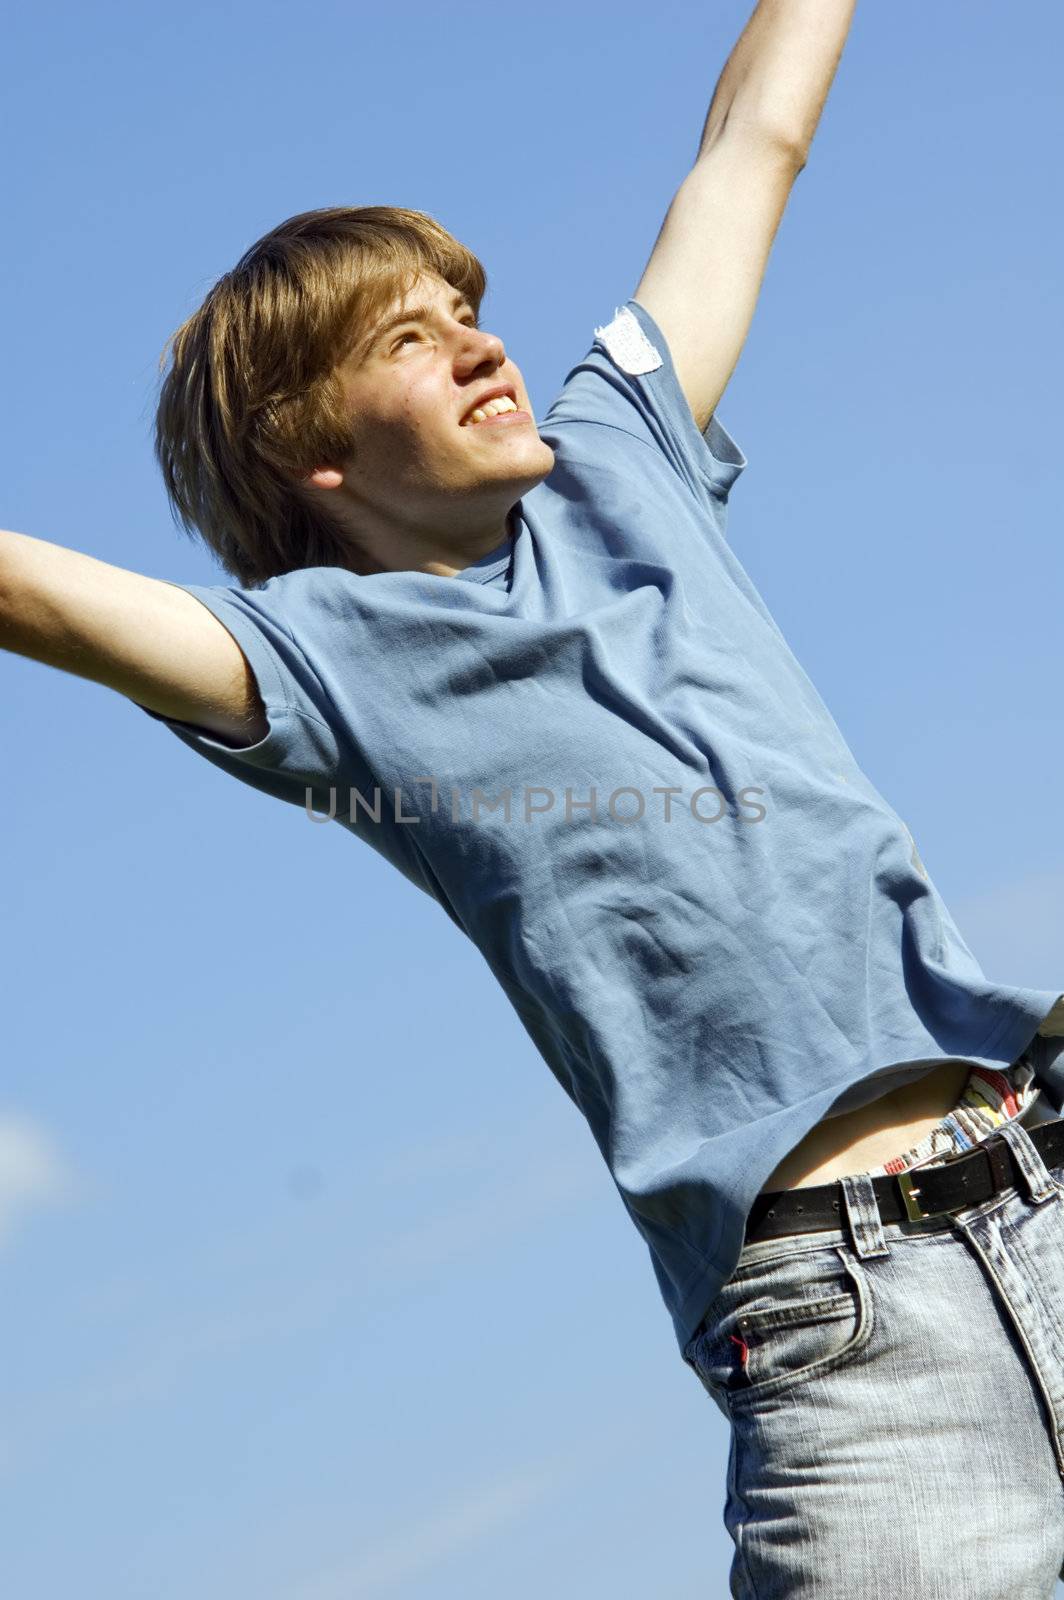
x=143 y=637
x=704 y=276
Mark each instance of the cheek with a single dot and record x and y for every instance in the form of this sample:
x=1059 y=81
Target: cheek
x=417 y=446
x=398 y=438
x=426 y=413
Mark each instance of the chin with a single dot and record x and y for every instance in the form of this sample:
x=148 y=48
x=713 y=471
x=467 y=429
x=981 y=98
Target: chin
x=546 y=455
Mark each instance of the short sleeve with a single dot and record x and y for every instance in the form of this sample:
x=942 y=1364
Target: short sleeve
x=628 y=382
x=302 y=748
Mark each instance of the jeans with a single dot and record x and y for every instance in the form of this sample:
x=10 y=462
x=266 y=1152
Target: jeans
x=896 y=1400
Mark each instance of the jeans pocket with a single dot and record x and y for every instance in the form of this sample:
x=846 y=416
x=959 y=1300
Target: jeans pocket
x=783 y=1321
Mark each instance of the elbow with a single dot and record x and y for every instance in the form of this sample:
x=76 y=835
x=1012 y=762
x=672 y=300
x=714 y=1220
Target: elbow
x=792 y=148
x=783 y=144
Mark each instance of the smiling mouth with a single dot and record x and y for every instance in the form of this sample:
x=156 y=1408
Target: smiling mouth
x=502 y=417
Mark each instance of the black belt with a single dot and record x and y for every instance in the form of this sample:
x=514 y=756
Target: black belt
x=921 y=1193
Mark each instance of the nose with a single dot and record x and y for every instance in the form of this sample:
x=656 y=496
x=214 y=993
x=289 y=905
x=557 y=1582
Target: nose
x=479 y=347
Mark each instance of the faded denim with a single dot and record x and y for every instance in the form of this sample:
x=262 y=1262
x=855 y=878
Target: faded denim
x=898 y=1427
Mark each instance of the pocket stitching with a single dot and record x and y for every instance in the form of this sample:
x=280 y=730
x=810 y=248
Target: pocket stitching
x=814 y=1369
x=830 y=1309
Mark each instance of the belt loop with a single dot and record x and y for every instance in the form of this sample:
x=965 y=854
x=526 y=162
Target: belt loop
x=862 y=1210
x=1037 y=1178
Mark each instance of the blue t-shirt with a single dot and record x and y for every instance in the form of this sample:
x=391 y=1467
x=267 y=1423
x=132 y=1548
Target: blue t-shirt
x=741 y=937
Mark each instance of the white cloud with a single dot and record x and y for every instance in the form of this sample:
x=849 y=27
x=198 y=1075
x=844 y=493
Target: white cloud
x=32 y=1174
x=522 y=1195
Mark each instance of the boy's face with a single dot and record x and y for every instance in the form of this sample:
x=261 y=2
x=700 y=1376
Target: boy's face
x=427 y=487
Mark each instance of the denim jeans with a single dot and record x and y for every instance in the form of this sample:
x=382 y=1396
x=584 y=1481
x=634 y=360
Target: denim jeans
x=896 y=1400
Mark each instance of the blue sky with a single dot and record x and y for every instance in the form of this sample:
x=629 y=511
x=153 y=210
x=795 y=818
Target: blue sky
x=316 y=1286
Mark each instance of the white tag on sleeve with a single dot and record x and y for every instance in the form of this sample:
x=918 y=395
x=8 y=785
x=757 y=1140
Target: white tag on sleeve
x=628 y=345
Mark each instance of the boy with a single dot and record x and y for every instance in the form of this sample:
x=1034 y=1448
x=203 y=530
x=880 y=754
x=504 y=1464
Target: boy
x=523 y=663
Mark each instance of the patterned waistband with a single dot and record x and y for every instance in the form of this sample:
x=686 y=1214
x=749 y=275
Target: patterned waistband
x=989 y=1098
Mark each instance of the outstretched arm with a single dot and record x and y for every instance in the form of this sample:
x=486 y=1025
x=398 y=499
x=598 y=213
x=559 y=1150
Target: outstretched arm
x=145 y=638
x=703 y=278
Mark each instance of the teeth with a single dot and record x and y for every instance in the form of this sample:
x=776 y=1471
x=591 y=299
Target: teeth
x=492 y=409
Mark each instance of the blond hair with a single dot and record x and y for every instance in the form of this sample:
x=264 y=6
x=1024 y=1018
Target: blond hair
x=251 y=402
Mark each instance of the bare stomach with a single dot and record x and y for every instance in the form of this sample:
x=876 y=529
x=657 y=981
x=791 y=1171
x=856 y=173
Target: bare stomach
x=874 y=1133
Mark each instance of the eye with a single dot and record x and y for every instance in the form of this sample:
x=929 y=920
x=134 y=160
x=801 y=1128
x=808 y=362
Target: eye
x=471 y=320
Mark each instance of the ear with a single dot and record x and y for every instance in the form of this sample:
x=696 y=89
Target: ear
x=324 y=478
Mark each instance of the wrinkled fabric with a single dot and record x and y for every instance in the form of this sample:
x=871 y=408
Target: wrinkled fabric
x=712 y=926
